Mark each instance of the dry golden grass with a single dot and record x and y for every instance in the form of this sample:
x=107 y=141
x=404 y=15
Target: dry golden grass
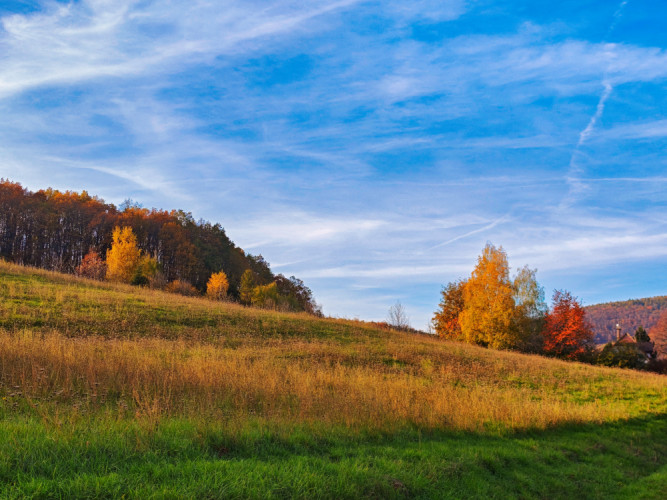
x=80 y=346
x=426 y=383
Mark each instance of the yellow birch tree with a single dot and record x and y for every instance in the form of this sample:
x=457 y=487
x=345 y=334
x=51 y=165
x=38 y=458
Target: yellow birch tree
x=124 y=256
x=217 y=286
x=488 y=297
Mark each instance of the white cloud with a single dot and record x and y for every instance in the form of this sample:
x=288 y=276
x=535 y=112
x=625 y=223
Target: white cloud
x=158 y=103
x=303 y=230
x=655 y=129
x=122 y=38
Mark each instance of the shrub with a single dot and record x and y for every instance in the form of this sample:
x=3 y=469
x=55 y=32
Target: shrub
x=182 y=287
x=92 y=266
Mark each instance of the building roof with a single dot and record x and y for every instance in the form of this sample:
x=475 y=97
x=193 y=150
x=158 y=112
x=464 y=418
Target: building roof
x=626 y=338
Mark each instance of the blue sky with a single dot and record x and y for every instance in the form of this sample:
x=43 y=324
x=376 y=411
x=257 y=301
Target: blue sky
x=371 y=148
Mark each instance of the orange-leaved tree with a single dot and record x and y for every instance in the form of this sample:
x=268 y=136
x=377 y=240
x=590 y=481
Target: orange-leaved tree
x=446 y=319
x=92 y=266
x=488 y=298
x=217 y=286
x=659 y=334
x=567 y=333
x=124 y=255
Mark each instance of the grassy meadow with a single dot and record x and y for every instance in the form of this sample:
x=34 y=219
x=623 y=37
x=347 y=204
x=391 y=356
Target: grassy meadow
x=109 y=391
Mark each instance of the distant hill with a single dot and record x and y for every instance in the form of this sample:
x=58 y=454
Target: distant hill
x=629 y=314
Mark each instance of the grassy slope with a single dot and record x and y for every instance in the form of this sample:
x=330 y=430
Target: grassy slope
x=108 y=390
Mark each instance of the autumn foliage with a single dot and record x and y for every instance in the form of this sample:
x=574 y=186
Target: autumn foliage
x=182 y=287
x=488 y=302
x=73 y=232
x=124 y=256
x=217 y=286
x=630 y=314
x=446 y=319
x=92 y=266
x=247 y=287
x=659 y=334
x=567 y=333
x=492 y=309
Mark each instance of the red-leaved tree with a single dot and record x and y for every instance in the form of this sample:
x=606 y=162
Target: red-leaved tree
x=567 y=333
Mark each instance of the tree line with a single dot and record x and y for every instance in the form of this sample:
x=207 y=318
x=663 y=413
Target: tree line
x=73 y=232
x=493 y=309
x=630 y=314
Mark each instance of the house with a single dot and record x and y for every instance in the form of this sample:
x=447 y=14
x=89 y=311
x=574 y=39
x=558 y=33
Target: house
x=647 y=349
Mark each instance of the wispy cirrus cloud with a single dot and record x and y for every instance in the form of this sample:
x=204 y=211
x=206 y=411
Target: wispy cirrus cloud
x=371 y=147
x=72 y=43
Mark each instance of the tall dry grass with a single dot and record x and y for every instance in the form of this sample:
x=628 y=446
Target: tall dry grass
x=68 y=344
x=317 y=381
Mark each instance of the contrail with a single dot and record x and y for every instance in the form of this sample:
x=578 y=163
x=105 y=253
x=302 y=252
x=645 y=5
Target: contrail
x=617 y=17
x=481 y=229
x=576 y=185
x=586 y=133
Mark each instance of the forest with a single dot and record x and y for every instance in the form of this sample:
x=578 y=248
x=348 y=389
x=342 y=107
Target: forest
x=650 y=313
x=57 y=230
x=630 y=314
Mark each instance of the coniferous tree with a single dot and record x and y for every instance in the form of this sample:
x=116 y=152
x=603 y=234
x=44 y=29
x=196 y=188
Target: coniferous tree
x=247 y=287
x=641 y=335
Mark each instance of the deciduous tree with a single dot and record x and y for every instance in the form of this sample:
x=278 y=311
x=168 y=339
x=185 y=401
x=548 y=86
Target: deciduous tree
x=659 y=334
x=217 y=286
x=123 y=256
x=182 y=287
x=567 y=333
x=92 y=266
x=488 y=297
x=397 y=317
x=265 y=296
x=530 y=309
x=55 y=230
x=446 y=319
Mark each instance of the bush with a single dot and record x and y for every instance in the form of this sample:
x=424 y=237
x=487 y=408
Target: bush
x=92 y=266
x=622 y=356
x=657 y=366
x=182 y=287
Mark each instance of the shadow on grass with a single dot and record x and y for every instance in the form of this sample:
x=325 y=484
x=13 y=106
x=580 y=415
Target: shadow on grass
x=625 y=459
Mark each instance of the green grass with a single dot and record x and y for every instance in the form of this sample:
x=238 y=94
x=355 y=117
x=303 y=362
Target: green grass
x=108 y=391
x=189 y=459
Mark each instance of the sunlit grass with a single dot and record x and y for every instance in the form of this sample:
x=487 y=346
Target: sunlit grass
x=183 y=382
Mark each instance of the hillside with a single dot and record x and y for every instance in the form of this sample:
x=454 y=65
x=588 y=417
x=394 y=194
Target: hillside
x=57 y=231
x=629 y=314
x=112 y=390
